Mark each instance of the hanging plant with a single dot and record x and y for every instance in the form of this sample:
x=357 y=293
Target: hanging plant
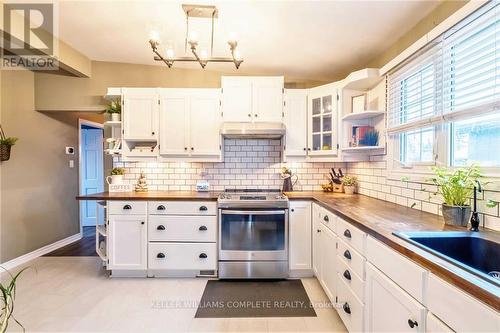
x=5 y=145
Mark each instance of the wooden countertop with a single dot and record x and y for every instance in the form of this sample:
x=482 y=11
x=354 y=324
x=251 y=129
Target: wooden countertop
x=151 y=196
x=377 y=218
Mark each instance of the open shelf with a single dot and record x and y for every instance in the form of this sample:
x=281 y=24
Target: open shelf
x=112 y=123
x=363 y=115
x=362 y=148
x=363 y=79
x=102 y=230
x=113 y=151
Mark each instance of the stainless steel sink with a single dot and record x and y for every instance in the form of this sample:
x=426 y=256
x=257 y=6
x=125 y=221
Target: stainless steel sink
x=468 y=250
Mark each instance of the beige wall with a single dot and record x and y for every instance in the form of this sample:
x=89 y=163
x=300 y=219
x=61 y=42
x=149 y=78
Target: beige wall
x=54 y=92
x=38 y=205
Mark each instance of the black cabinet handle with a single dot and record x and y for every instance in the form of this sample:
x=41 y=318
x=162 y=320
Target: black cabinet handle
x=203 y=228
x=142 y=222
x=127 y=207
x=318 y=230
x=185 y=148
x=203 y=256
x=160 y=255
x=192 y=148
x=249 y=115
x=293 y=210
x=160 y=227
x=256 y=115
x=326 y=219
x=346 y=308
x=347 y=254
x=152 y=133
x=203 y=208
x=309 y=149
x=160 y=207
x=347 y=275
x=412 y=323
x=347 y=233
x=305 y=149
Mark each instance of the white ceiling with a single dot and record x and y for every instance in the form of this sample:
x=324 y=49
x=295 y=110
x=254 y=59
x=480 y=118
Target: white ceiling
x=317 y=40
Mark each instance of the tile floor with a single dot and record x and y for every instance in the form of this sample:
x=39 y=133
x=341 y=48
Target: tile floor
x=74 y=294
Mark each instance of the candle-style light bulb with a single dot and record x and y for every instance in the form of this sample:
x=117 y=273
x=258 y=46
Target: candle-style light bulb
x=154 y=36
x=169 y=53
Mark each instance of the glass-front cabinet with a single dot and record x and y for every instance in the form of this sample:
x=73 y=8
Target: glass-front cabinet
x=322 y=113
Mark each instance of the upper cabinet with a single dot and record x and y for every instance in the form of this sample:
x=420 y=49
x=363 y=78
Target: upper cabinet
x=295 y=118
x=323 y=121
x=140 y=114
x=252 y=99
x=190 y=122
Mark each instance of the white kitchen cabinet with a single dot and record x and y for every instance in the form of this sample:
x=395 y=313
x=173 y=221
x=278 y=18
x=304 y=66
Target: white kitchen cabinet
x=127 y=239
x=316 y=239
x=328 y=245
x=388 y=307
x=434 y=325
x=189 y=122
x=322 y=121
x=295 y=117
x=300 y=236
x=252 y=99
x=140 y=114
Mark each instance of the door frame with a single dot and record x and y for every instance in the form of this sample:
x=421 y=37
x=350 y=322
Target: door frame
x=97 y=126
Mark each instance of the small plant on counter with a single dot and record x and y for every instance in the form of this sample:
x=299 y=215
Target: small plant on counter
x=8 y=291
x=349 y=183
x=6 y=144
x=456 y=187
x=114 y=109
x=117 y=172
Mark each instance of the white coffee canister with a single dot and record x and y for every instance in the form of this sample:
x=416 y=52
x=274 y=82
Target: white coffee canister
x=114 y=179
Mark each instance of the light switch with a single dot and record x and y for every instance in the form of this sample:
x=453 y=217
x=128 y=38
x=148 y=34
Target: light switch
x=71 y=163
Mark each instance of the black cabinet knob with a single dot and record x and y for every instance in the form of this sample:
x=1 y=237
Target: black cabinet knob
x=160 y=207
x=185 y=148
x=152 y=133
x=326 y=219
x=347 y=233
x=203 y=228
x=143 y=222
x=347 y=254
x=412 y=323
x=160 y=255
x=127 y=207
x=346 y=308
x=192 y=148
x=293 y=210
x=318 y=230
x=203 y=256
x=256 y=115
x=203 y=208
x=305 y=149
x=160 y=227
x=347 y=275
x=309 y=149
x=249 y=115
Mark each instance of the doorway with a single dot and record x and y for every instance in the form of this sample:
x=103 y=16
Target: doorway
x=91 y=171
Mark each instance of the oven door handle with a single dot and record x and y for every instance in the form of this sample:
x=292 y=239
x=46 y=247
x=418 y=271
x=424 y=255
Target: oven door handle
x=252 y=212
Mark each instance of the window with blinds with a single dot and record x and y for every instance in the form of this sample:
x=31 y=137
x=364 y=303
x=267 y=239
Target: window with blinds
x=449 y=93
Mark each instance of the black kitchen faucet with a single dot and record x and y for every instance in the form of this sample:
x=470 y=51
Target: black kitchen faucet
x=474 y=219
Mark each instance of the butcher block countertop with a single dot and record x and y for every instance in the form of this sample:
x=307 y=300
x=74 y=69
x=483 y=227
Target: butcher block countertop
x=379 y=219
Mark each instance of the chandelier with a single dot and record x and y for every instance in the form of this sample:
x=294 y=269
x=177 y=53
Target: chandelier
x=196 y=11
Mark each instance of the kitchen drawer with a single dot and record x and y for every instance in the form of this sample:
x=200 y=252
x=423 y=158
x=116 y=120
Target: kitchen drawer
x=356 y=263
x=183 y=208
x=402 y=271
x=350 y=278
x=182 y=228
x=128 y=207
x=182 y=256
x=350 y=309
x=458 y=310
x=328 y=219
x=351 y=235
x=434 y=325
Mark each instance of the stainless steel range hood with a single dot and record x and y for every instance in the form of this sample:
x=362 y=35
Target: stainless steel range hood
x=236 y=130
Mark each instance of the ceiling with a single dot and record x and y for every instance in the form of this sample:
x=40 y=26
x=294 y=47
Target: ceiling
x=316 y=40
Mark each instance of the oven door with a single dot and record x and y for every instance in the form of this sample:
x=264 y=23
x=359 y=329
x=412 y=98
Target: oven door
x=253 y=234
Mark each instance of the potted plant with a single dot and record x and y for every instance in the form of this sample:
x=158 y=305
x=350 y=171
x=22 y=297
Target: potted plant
x=8 y=291
x=5 y=147
x=349 y=183
x=116 y=176
x=456 y=187
x=114 y=109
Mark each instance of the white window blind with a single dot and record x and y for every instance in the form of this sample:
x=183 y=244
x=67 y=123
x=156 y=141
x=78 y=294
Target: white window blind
x=414 y=90
x=471 y=63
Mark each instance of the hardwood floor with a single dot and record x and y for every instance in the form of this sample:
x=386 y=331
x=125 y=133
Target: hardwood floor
x=84 y=247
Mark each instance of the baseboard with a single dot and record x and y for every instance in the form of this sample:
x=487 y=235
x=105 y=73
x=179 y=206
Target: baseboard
x=8 y=265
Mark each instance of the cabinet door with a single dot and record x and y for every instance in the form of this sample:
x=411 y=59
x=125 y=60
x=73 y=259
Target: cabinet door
x=388 y=307
x=316 y=239
x=204 y=122
x=296 y=122
x=267 y=99
x=300 y=235
x=127 y=242
x=236 y=99
x=140 y=114
x=174 y=118
x=328 y=250
x=322 y=125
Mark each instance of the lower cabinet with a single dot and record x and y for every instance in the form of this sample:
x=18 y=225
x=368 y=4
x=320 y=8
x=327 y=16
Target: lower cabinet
x=300 y=238
x=316 y=236
x=349 y=307
x=182 y=256
x=388 y=307
x=328 y=277
x=127 y=242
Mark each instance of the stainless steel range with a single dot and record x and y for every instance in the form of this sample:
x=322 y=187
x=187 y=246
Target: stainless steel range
x=253 y=234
